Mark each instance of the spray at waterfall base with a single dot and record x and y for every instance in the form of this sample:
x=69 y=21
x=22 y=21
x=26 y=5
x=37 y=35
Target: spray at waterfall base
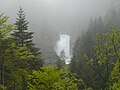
x=62 y=48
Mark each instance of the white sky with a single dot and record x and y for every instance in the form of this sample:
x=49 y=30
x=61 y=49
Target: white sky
x=64 y=16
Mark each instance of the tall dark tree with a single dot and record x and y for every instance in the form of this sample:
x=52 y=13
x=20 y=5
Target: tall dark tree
x=12 y=57
x=25 y=38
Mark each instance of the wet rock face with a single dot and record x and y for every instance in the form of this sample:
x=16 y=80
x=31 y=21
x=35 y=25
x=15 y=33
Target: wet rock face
x=62 y=48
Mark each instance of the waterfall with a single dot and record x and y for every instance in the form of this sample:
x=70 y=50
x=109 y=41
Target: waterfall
x=62 y=48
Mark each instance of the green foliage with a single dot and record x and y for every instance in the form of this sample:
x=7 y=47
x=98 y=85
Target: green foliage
x=20 y=60
x=50 y=78
x=23 y=37
x=4 y=28
x=13 y=58
x=5 y=42
x=2 y=87
x=79 y=64
x=106 y=54
x=99 y=58
x=115 y=77
x=29 y=57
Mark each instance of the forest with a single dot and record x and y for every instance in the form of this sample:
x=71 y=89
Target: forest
x=95 y=61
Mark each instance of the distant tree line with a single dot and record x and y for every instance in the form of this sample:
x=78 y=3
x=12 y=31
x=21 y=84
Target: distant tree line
x=21 y=65
x=95 y=64
x=95 y=56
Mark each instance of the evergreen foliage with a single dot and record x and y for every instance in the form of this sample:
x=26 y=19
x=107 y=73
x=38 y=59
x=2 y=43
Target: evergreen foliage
x=50 y=78
x=25 y=38
x=95 y=64
x=12 y=57
x=93 y=74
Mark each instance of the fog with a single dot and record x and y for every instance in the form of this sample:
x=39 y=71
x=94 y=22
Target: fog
x=49 y=18
x=57 y=15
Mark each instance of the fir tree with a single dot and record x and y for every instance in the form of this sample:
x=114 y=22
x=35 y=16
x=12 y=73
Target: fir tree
x=22 y=36
x=25 y=38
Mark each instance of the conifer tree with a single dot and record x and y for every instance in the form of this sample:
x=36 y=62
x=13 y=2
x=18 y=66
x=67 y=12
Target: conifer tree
x=25 y=38
x=4 y=38
x=12 y=57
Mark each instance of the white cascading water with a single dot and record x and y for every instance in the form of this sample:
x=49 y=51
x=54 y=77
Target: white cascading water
x=64 y=45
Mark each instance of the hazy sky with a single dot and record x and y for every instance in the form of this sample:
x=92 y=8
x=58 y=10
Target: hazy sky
x=49 y=18
x=63 y=16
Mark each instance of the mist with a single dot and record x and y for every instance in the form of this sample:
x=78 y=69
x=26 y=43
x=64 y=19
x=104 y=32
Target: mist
x=49 y=18
x=57 y=15
x=59 y=44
